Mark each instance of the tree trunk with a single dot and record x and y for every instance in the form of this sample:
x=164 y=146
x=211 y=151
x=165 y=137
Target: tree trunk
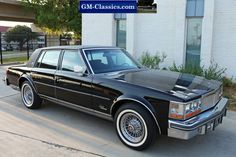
x=21 y=46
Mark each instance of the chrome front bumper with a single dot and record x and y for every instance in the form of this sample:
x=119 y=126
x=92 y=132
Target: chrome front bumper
x=200 y=124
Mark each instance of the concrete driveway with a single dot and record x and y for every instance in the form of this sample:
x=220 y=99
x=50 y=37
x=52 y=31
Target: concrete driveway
x=57 y=131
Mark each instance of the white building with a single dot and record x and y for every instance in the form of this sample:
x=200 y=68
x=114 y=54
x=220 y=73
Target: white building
x=187 y=31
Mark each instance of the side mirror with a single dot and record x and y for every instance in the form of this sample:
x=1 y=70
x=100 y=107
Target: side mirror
x=79 y=69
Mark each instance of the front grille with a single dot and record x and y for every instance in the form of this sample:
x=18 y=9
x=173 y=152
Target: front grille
x=210 y=100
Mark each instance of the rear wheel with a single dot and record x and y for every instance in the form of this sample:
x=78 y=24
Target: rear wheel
x=29 y=97
x=135 y=126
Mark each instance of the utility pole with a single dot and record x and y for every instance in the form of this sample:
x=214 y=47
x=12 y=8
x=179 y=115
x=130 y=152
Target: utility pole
x=45 y=41
x=28 y=47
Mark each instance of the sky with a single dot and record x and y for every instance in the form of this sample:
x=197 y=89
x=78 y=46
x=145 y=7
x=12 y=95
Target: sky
x=12 y=24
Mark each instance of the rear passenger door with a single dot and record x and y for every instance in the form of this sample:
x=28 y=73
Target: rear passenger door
x=73 y=88
x=43 y=74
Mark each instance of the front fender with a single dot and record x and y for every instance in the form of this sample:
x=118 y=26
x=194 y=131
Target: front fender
x=133 y=98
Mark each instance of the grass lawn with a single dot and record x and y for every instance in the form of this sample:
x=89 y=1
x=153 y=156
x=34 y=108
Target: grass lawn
x=13 y=52
x=14 y=60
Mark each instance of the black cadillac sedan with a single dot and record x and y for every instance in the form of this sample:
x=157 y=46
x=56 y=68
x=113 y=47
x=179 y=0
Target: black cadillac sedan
x=107 y=82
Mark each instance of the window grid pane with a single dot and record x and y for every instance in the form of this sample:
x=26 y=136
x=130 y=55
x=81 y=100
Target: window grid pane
x=195 y=8
x=191 y=5
x=193 y=47
x=120 y=16
x=121 y=34
x=200 y=8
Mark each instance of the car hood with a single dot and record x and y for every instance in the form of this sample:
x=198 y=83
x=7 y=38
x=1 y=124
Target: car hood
x=184 y=86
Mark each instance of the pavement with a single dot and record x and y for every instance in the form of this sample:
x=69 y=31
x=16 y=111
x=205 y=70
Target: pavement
x=58 y=131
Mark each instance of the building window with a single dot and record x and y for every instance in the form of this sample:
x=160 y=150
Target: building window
x=120 y=16
x=121 y=33
x=193 y=47
x=195 y=8
x=194 y=14
x=120 y=30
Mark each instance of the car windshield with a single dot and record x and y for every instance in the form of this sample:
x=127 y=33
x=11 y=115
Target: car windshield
x=110 y=60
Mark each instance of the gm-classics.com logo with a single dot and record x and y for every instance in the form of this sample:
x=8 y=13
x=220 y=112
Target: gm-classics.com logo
x=117 y=6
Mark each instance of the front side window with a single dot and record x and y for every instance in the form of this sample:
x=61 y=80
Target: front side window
x=71 y=60
x=110 y=60
x=50 y=59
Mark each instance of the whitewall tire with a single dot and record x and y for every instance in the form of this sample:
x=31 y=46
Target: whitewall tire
x=29 y=97
x=135 y=126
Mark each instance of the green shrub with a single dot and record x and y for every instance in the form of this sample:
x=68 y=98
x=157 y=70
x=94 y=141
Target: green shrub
x=187 y=69
x=152 y=61
x=214 y=72
x=228 y=82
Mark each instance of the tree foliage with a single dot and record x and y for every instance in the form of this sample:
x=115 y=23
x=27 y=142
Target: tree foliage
x=56 y=15
x=145 y=2
x=19 y=34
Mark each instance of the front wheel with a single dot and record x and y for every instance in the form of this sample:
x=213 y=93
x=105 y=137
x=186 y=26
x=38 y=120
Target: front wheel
x=135 y=126
x=29 y=97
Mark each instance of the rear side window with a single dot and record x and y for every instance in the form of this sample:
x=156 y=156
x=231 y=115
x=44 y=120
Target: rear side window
x=38 y=62
x=49 y=59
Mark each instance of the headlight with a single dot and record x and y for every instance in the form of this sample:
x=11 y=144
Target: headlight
x=176 y=111
x=184 y=111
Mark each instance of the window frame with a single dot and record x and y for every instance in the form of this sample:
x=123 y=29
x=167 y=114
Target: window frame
x=186 y=40
x=117 y=34
x=43 y=52
x=109 y=48
x=62 y=57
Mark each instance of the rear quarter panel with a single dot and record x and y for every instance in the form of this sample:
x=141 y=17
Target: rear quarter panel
x=14 y=74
